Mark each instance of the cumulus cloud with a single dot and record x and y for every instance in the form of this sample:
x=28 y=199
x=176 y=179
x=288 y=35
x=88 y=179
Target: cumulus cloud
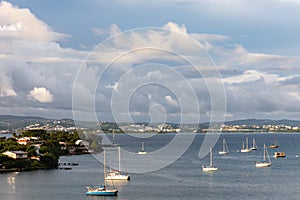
x=19 y=23
x=40 y=94
x=113 y=30
x=253 y=75
x=31 y=56
x=242 y=71
x=6 y=86
x=171 y=101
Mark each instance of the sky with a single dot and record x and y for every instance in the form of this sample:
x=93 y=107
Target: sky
x=158 y=61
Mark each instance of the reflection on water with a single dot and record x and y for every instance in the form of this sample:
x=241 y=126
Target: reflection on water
x=117 y=183
x=101 y=197
x=11 y=181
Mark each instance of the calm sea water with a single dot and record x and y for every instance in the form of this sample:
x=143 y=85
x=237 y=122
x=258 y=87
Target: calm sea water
x=237 y=177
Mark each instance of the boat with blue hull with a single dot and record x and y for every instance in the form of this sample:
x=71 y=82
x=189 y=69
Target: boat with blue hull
x=101 y=190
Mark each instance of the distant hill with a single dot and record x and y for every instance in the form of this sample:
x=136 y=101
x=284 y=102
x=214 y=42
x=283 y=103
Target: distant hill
x=16 y=122
x=261 y=122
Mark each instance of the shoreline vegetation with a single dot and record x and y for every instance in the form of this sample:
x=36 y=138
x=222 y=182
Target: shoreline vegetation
x=41 y=149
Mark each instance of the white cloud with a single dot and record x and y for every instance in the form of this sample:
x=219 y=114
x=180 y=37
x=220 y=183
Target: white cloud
x=171 y=101
x=40 y=94
x=133 y=52
x=113 y=30
x=209 y=37
x=11 y=27
x=253 y=75
x=20 y=24
x=176 y=27
x=6 y=86
x=32 y=56
x=99 y=31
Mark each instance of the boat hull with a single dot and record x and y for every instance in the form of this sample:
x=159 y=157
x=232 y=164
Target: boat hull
x=102 y=193
x=262 y=164
x=246 y=150
x=118 y=177
x=223 y=152
x=209 y=169
x=142 y=152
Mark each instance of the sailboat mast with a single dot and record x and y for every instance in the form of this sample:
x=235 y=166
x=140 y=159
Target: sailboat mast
x=119 y=150
x=223 y=145
x=211 y=162
x=264 y=151
x=247 y=143
x=267 y=154
x=142 y=146
x=104 y=167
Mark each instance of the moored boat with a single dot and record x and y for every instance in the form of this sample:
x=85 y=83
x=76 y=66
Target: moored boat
x=225 y=148
x=142 y=152
x=254 y=145
x=273 y=145
x=101 y=190
x=279 y=154
x=210 y=168
x=247 y=149
x=266 y=162
x=116 y=174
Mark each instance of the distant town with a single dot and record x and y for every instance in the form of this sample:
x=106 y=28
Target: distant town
x=15 y=124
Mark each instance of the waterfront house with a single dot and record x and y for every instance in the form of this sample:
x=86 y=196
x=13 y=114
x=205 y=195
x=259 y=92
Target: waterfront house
x=27 y=140
x=16 y=154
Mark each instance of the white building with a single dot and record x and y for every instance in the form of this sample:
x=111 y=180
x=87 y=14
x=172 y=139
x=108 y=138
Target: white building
x=16 y=154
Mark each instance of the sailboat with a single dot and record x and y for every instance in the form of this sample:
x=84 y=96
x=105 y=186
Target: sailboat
x=254 y=145
x=245 y=150
x=101 y=190
x=225 y=148
x=210 y=167
x=266 y=162
x=273 y=145
x=113 y=141
x=142 y=152
x=116 y=174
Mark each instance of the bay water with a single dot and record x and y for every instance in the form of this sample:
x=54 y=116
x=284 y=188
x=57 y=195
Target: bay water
x=237 y=178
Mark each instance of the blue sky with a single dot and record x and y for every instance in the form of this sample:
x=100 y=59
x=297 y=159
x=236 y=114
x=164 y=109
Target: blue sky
x=254 y=45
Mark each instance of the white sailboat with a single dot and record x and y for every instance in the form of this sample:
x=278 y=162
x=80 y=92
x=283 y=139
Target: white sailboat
x=254 y=145
x=101 y=190
x=247 y=149
x=116 y=174
x=113 y=141
x=210 y=168
x=266 y=161
x=142 y=152
x=225 y=148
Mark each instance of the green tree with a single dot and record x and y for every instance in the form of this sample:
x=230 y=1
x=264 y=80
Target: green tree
x=49 y=161
x=31 y=151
